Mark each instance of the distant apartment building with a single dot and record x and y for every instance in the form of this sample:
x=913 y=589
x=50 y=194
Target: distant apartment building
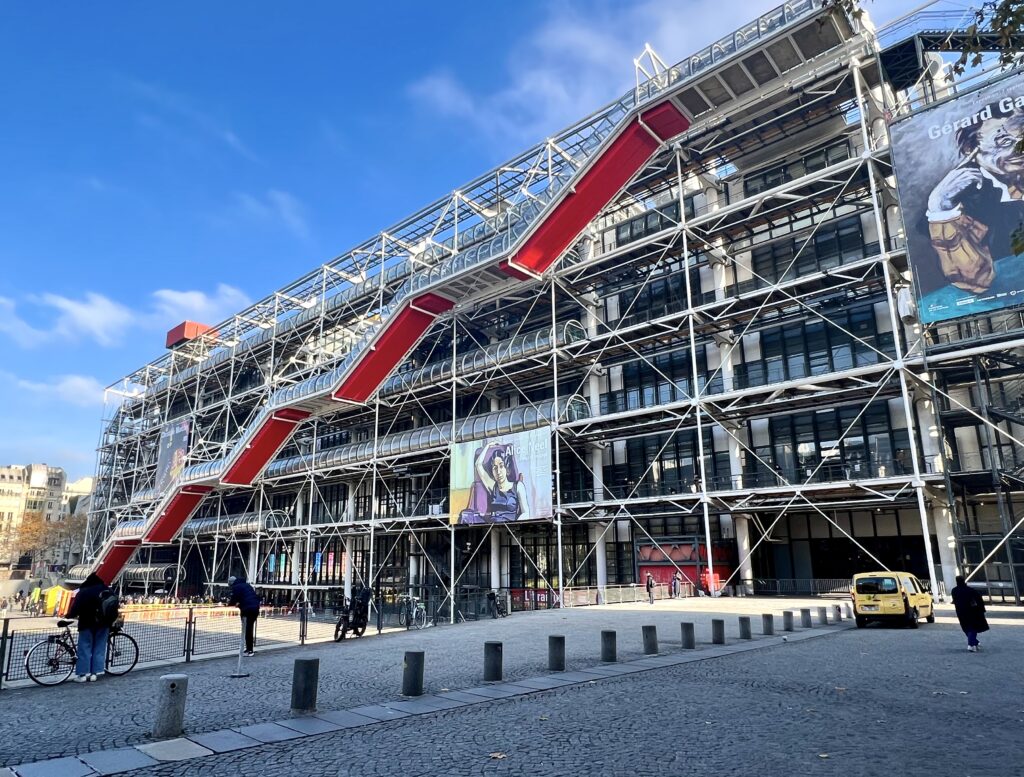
x=27 y=489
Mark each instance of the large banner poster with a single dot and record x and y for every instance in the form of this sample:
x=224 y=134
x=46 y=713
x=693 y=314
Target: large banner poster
x=961 y=187
x=171 y=457
x=501 y=479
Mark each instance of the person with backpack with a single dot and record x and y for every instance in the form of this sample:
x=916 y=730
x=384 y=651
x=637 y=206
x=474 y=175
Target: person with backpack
x=244 y=597
x=93 y=605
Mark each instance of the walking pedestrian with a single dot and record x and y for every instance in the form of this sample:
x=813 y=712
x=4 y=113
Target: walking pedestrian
x=4 y=606
x=970 y=611
x=244 y=597
x=93 y=629
x=650 y=587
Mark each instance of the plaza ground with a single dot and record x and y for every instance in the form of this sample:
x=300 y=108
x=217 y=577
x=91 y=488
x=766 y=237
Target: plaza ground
x=849 y=702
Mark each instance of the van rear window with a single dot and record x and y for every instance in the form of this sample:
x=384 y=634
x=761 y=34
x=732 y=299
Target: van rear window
x=877 y=585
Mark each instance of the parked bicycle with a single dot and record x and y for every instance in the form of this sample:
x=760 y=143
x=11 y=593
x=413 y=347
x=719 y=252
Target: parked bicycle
x=52 y=660
x=355 y=616
x=411 y=612
x=497 y=603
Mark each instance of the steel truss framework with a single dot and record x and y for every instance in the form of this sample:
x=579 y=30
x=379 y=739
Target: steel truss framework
x=532 y=349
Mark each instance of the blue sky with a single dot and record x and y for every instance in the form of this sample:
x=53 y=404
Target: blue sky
x=170 y=161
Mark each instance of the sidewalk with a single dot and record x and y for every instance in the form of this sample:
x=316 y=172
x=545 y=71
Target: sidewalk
x=247 y=712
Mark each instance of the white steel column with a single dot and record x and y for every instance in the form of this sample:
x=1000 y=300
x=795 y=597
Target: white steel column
x=598 y=533
x=695 y=387
x=556 y=438
x=942 y=521
x=495 y=558
x=897 y=327
x=741 y=527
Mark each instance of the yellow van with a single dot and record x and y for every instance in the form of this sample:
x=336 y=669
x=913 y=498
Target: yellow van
x=890 y=596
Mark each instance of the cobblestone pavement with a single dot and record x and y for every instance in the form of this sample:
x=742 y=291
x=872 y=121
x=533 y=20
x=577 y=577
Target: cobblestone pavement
x=774 y=711
x=863 y=702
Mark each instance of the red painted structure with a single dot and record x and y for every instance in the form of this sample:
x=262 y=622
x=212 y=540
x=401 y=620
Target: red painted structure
x=625 y=155
x=185 y=331
x=265 y=444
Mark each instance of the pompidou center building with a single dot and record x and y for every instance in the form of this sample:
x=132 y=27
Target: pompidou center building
x=693 y=333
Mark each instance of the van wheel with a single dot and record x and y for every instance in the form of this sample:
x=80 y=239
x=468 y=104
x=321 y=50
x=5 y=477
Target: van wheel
x=931 y=616
x=912 y=618
x=861 y=622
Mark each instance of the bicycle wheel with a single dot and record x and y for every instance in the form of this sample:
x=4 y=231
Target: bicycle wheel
x=403 y=615
x=340 y=629
x=420 y=618
x=122 y=654
x=50 y=662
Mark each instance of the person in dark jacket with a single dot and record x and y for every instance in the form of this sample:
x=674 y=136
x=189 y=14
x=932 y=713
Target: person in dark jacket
x=970 y=611
x=650 y=587
x=92 y=631
x=244 y=596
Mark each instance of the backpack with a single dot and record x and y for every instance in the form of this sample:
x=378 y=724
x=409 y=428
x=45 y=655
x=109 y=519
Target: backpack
x=110 y=608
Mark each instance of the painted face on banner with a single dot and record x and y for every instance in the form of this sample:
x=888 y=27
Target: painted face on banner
x=498 y=469
x=997 y=146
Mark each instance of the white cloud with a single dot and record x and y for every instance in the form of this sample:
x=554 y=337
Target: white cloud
x=580 y=57
x=101 y=320
x=96 y=317
x=174 y=306
x=182 y=117
x=15 y=327
x=79 y=390
x=276 y=206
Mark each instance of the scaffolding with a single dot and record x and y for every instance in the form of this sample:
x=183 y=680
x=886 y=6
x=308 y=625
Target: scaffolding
x=633 y=284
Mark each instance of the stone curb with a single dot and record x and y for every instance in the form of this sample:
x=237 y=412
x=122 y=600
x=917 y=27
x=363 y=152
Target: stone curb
x=200 y=745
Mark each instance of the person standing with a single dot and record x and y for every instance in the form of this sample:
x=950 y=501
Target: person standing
x=970 y=611
x=244 y=597
x=677 y=584
x=650 y=587
x=92 y=630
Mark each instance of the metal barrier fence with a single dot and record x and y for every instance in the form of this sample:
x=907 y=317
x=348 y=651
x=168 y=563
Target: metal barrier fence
x=797 y=587
x=581 y=596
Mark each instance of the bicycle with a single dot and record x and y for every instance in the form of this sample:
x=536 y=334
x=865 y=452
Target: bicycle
x=52 y=660
x=412 y=612
x=498 y=608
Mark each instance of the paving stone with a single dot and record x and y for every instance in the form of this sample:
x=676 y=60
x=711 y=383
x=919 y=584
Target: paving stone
x=218 y=702
x=268 y=732
x=379 y=712
x=224 y=741
x=463 y=696
x=4 y=772
x=55 y=767
x=544 y=683
x=116 y=761
x=438 y=702
x=345 y=719
x=179 y=749
x=413 y=707
x=491 y=691
x=309 y=725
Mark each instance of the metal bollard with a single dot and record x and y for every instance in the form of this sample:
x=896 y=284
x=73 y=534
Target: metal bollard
x=717 y=631
x=823 y=616
x=305 y=676
x=767 y=624
x=556 y=653
x=492 y=662
x=837 y=613
x=608 y=652
x=805 y=619
x=170 y=706
x=412 y=673
x=689 y=636
x=745 y=632
x=787 y=620
x=650 y=640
